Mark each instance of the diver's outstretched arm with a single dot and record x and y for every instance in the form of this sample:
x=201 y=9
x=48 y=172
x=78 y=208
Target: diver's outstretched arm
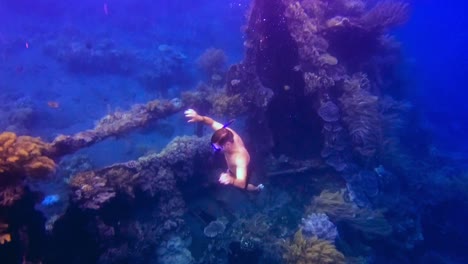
x=194 y=117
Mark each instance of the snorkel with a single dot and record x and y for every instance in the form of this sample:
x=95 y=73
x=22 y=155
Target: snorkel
x=219 y=148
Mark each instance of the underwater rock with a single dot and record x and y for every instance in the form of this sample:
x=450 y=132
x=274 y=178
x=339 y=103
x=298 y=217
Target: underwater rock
x=239 y=253
x=174 y=251
x=337 y=162
x=214 y=228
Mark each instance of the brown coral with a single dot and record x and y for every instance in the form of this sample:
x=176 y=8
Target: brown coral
x=90 y=190
x=313 y=250
x=228 y=106
x=10 y=194
x=23 y=155
x=369 y=222
x=4 y=236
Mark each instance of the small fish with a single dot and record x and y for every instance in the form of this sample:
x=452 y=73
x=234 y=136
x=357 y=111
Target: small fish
x=27 y=45
x=106 y=12
x=50 y=199
x=53 y=104
x=286 y=87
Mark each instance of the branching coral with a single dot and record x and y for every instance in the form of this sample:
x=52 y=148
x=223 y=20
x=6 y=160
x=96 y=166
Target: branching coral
x=311 y=251
x=315 y=81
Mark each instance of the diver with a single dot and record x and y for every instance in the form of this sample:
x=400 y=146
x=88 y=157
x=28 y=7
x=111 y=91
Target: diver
x=237 y=157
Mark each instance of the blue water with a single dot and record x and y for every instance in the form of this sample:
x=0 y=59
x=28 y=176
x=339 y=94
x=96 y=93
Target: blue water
x=433 y=39
x=65 y=65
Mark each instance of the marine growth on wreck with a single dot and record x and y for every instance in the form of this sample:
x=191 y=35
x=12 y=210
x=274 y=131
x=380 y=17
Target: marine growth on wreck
x=99 y=165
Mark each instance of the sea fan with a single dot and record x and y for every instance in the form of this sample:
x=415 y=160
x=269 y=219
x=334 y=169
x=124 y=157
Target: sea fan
x=361 y=115
x=386 y=14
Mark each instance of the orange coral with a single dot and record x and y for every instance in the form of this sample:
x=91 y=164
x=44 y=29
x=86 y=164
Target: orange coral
x=4 y=237
x=24 y=155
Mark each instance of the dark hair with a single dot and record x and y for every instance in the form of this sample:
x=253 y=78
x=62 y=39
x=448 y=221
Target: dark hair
x=222 y=136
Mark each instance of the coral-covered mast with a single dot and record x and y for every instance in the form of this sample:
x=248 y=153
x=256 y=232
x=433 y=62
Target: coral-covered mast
x=115 y=124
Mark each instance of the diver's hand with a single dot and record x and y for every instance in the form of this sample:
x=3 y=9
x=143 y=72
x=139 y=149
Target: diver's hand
x=193 y=116
x=225 y=179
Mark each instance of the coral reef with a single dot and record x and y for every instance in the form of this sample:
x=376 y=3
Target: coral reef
x=309 y=99
x=174 y=251
x=90 y=190
x=217 y=102
x=228 y=106
x=370 y=222
x=318 y=224
x=362 y=116
x=23 y=155
x=154 y=174
x=10 y=194
x=305 y=33
x=213 y=63
x=311 y=250
x=158 y=67
x=71 y=165
x=115 y=124
x=386 y=14
x=333 y=205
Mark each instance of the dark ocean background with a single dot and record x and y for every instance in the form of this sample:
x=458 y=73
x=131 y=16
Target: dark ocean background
x=149 y=193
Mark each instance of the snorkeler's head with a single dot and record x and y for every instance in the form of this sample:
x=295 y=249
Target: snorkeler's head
x=221 y=137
